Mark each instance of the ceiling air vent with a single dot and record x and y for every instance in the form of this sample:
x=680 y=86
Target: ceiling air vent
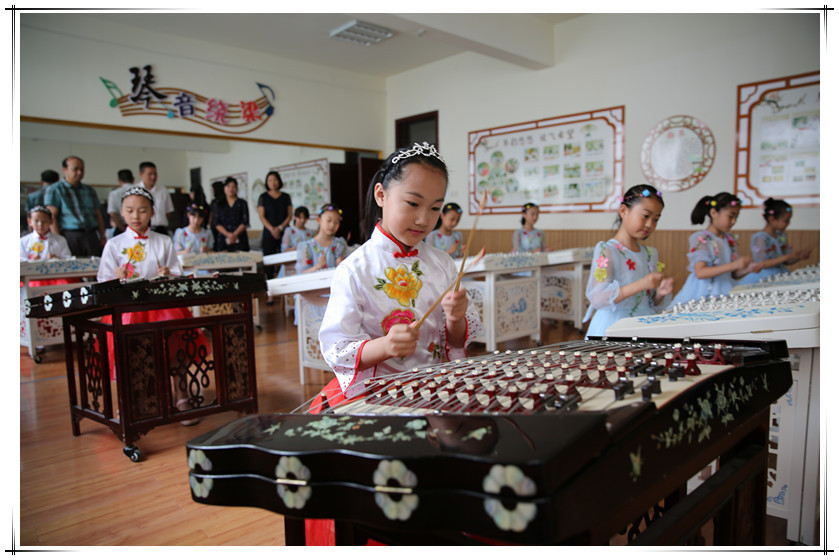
x=361 y=33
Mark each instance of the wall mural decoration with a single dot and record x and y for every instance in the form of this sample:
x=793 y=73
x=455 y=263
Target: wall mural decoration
x=778 y=145
x=570 y=163
x=307 y=183
x=677 y=153
x=228 y=116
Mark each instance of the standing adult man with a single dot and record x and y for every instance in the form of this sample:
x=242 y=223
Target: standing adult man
x=126 y=181
x=75 y=210
x=36 y=198
x=163 y=206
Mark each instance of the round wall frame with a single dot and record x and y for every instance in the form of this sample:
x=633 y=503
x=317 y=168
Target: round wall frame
x=677 y=153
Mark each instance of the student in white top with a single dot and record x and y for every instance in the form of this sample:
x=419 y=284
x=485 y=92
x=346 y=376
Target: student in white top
x=42 y=244
x=164 y=208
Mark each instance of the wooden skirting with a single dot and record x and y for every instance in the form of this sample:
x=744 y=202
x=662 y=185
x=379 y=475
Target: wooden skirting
x=672 y=245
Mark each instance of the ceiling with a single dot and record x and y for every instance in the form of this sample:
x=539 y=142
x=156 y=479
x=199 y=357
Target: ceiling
x=418 y=39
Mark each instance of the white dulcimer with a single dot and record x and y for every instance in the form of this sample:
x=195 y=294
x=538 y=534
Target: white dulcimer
x=767 y=312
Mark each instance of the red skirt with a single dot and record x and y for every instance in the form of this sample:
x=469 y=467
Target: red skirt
x=155 y=316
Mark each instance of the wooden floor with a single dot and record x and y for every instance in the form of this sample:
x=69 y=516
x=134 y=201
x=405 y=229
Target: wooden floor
x=83 y=491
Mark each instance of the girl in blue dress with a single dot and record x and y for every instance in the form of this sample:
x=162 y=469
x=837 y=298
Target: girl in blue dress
x=770 y=248
x=296 y=231
x=194 y=237
x=713 y=261
x=626 y=277
x=528 y=239
x=444 y=237
x=324 y=250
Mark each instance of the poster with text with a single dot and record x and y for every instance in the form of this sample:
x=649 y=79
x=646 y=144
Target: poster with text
x=778 y=141
x=307 y=183
x=571 y=163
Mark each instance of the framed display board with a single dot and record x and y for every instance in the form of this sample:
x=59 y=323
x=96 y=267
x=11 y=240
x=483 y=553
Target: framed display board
x=571 y=163
x=307 y=183
x=241 y=183
x=677 y=153
x=778 y=147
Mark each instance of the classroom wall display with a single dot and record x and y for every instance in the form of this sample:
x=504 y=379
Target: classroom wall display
x=241 y=183
x=239 y=116
x=307 y=183
x=778 y=148
x=677 y=153
x=570 y=163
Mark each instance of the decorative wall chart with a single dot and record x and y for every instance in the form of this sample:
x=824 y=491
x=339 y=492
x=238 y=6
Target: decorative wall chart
x=778 y=147
x=677 y=153
x=307 y=183
x=570 y=163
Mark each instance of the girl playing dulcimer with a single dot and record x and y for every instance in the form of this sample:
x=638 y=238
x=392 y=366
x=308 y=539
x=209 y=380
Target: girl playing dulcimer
x=373 y=324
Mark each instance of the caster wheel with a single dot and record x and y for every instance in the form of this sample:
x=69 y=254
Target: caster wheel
x=37 y=359
x=133 y=453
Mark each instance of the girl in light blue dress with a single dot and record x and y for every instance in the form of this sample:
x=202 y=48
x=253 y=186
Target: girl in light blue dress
x=296 y=231
x=528 y=239
x=324 y=250
x=713 y=261
x=194 y=237
x=444 y=237
x=770 y=248
x=626 y=277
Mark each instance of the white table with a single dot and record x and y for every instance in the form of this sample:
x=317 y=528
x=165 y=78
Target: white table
x=209 y=263
x=37 y=333
x=793 y=482
x=311 y=292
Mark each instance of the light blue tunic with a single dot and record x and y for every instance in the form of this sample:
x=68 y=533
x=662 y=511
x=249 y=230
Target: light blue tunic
x=614 y=265
x=765 y=247
x=713 y=251
x=528 y=241
x=439 y=240
x=308 y=253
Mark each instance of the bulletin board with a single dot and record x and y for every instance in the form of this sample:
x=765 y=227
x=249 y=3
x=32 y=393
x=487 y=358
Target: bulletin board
x=570 y=163
x=241 y=183
x=778 y=148
x=307 y=183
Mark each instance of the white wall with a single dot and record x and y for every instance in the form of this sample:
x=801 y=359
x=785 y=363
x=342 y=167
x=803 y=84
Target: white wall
x=63 y=56
x=656 y=65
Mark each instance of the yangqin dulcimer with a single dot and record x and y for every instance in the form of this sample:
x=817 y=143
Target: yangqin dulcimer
x=568 y=443
x=177 y=368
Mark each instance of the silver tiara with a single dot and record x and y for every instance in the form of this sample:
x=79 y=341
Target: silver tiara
x=425 y=149
x=138 y=191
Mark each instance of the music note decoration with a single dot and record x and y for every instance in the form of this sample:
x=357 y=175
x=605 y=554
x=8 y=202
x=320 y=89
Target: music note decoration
x=145 y=98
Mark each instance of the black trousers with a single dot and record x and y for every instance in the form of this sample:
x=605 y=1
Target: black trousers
x=83 y=243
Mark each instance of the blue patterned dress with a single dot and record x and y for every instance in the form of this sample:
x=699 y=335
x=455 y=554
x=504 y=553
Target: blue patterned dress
x=310 y=251
x=765 y=247
x=528 y=241
x=713 y=251
x=614 y=265
x=439 y=240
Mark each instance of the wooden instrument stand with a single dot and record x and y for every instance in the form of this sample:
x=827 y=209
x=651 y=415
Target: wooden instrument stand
x=158 y=365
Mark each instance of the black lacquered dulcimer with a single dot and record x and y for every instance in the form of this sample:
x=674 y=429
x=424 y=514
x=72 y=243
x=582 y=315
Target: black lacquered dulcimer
x=534 y=470
x=181 y=290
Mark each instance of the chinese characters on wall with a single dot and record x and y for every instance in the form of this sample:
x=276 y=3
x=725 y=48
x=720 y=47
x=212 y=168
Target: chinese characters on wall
x=229 y=116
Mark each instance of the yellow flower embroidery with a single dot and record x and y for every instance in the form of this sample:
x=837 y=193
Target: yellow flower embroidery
x=135 y=254
x=659 y=266
x=402 y=284
x=600 y=274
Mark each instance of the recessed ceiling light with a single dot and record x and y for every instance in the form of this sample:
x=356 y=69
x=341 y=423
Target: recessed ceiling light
x=361 y=33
